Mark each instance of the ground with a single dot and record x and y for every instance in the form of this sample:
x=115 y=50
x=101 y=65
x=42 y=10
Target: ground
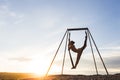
x=26 y=76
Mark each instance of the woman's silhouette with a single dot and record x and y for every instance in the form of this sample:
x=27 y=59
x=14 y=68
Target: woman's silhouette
x=79 y=51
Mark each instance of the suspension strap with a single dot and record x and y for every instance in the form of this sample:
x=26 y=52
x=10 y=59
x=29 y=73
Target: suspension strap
x=70 y=52
x=71 y=59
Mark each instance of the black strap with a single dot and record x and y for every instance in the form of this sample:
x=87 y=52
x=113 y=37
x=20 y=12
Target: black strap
x=70 y=52
x=71 y=59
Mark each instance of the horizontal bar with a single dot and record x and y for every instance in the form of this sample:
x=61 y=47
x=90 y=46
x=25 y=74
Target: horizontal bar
x=74 y=29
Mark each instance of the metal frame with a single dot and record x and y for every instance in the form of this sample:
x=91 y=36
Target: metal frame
x=91 y=40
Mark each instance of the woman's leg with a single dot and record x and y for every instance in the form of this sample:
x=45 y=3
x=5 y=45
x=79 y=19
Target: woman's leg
x=80 y=50
x=78 y=58
x=85 y=43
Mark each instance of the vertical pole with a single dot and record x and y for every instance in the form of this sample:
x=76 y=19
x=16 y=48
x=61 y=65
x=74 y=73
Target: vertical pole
x=93 y=53
x=99 y=53
x=64 y=54
x=56 y=53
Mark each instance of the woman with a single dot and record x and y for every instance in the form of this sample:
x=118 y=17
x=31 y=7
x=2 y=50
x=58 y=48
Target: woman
x=79 y=51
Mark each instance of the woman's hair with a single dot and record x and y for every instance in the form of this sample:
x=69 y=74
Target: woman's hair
x=72 y=42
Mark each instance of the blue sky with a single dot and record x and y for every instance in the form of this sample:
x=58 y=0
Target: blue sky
x=30 y=32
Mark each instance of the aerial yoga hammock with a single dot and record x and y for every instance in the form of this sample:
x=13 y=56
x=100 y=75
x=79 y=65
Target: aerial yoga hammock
x=79 y=51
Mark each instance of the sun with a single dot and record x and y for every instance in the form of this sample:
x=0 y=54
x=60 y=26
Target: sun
x=38 y=65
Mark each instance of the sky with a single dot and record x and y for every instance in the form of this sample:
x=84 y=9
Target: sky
x=31 y=30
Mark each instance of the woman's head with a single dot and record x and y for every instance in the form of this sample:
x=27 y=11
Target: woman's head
x=72 y=42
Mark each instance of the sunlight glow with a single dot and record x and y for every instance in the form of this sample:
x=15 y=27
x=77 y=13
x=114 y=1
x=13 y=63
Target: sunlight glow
x=38 y=65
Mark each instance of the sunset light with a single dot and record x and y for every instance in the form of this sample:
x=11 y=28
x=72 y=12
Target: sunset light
x=31 y=31
x=38 y=65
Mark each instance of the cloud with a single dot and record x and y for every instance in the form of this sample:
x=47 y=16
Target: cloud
x=5 y=11
x=20 y=59
x=7 y=15
x=113 y=62
x=111 y=48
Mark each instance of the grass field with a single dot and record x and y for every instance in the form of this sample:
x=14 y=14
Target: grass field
x=28 y=76
x=15 y=76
